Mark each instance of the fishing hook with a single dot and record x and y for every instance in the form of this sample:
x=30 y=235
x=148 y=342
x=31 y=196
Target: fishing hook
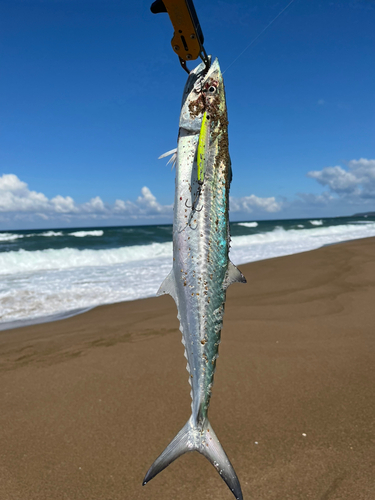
x=196 y=199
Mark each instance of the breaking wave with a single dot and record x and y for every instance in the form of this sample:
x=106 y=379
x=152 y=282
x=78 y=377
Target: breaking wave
x=38 y=283
x=47 y=234
x=10 y=237
x=82 y=234
x=39 y=260
x=281 y=242
x=248 y=224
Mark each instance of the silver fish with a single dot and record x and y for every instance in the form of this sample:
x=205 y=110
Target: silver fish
x=201 y=270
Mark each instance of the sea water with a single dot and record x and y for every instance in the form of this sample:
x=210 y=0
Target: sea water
x=50 y=274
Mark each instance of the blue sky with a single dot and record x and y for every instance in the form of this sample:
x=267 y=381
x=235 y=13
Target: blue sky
x=90 y=97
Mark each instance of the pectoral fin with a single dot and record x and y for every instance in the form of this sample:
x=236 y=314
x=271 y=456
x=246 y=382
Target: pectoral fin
x=173 y=156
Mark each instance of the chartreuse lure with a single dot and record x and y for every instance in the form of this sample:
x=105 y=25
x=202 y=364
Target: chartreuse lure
x=203 y=146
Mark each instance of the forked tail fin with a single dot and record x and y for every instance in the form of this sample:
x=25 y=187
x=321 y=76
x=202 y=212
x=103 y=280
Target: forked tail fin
x=204 y=440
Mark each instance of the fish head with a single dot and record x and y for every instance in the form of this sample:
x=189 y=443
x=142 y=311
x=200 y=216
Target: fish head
x=212 y=90
x=204 y=91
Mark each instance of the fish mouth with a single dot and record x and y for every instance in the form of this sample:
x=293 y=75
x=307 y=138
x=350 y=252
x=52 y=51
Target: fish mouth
x=199 y=76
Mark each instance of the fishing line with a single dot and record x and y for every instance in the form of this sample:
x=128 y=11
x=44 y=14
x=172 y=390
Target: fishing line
x=261 y=33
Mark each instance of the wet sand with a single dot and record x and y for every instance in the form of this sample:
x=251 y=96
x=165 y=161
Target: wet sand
x=88 y=403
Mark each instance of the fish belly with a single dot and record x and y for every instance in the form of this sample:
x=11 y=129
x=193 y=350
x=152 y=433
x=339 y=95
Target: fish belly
x=200 y=266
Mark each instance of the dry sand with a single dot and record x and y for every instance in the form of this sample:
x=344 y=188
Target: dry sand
x=89 y=402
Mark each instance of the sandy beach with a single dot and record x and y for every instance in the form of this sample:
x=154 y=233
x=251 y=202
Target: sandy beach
x=89 y=402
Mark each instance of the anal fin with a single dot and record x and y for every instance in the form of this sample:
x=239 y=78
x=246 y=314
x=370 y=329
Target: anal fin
x=168 y=287
x=233 y=275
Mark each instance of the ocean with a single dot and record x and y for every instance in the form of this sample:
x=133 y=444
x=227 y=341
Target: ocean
x=51 y=274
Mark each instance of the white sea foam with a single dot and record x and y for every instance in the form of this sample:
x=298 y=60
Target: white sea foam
x=316 y=222
x=10 y=237
x=23 y=261
x=31 y=295
x=47 y=234
x=82 y=234
x=287 y=242
x=248 y=224
x=44 y=282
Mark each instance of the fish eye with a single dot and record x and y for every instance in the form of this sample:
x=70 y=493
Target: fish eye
x=212 y=89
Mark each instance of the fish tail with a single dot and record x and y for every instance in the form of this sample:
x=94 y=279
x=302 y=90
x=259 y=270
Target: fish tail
x=205 y=441
x=214 y=452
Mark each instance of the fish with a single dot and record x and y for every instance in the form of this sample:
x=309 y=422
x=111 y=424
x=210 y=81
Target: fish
x=201 y=271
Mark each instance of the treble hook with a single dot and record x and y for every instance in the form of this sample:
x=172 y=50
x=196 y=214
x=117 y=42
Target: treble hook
x=193 y=207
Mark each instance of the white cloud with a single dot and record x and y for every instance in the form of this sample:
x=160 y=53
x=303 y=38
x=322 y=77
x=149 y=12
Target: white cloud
x=16 y=197
x=64 y=205
x=95 y=206
x=148 y=202
x=336 y=178
x=316 y=200
x=12 y=184
x=121 y=206
x=248 y=204
x=18 y=202
x=355 y=184
x=346 y=186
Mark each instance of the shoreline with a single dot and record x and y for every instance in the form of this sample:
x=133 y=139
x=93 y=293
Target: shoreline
x=90 y=401
x=51 y=318
x=20 y=323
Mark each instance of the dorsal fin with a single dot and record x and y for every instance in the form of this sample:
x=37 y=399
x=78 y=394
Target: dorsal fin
x=168 y=287
x=233 y=275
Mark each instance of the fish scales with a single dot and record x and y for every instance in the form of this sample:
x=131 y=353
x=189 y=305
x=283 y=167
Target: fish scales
x=201 y=269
